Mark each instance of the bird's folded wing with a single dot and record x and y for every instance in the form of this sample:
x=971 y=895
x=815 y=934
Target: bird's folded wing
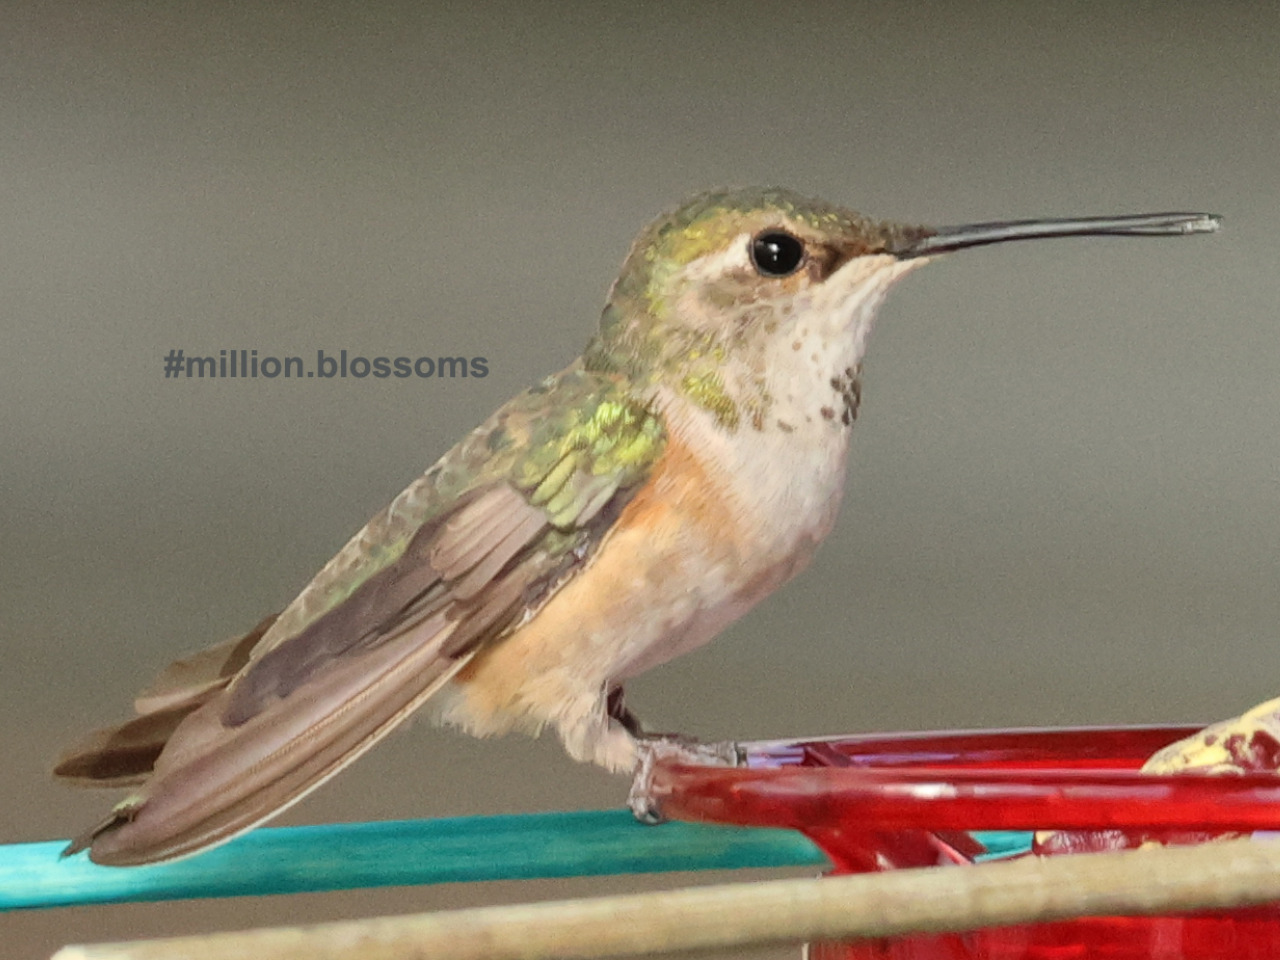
x=380 y=630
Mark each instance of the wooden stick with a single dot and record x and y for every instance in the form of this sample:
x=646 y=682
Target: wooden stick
x=1158 y=880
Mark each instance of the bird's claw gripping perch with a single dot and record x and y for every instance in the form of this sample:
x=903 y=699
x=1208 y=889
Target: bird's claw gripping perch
x=645 y=799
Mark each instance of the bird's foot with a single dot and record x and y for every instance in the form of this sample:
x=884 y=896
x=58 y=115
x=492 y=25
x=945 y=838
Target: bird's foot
x=645 y=803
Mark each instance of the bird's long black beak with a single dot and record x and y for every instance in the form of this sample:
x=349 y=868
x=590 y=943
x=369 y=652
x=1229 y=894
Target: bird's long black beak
x=945 y=239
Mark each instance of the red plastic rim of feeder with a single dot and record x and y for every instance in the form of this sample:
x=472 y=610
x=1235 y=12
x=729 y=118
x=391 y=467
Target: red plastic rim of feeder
x=888 y=801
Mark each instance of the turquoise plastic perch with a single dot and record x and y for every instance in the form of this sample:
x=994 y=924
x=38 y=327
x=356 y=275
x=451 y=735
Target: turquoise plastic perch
x=347 y=856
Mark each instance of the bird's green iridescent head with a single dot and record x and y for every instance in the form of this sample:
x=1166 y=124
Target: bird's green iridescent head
x=705 y=248
x=728 y=269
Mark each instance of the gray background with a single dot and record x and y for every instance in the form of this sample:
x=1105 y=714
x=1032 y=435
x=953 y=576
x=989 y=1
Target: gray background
x=1063 y=493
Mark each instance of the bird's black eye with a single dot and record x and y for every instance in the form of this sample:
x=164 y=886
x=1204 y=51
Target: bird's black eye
x=776 y=253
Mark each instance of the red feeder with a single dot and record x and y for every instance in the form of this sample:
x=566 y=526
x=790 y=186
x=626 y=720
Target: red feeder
x=883 y=802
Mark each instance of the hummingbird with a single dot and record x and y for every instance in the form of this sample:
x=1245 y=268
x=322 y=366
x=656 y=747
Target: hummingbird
x=618 y=514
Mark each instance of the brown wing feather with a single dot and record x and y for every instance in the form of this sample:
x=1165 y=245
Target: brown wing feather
x=313 y=703
x=124 y=755
x=383 y=604
x=188 y=680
